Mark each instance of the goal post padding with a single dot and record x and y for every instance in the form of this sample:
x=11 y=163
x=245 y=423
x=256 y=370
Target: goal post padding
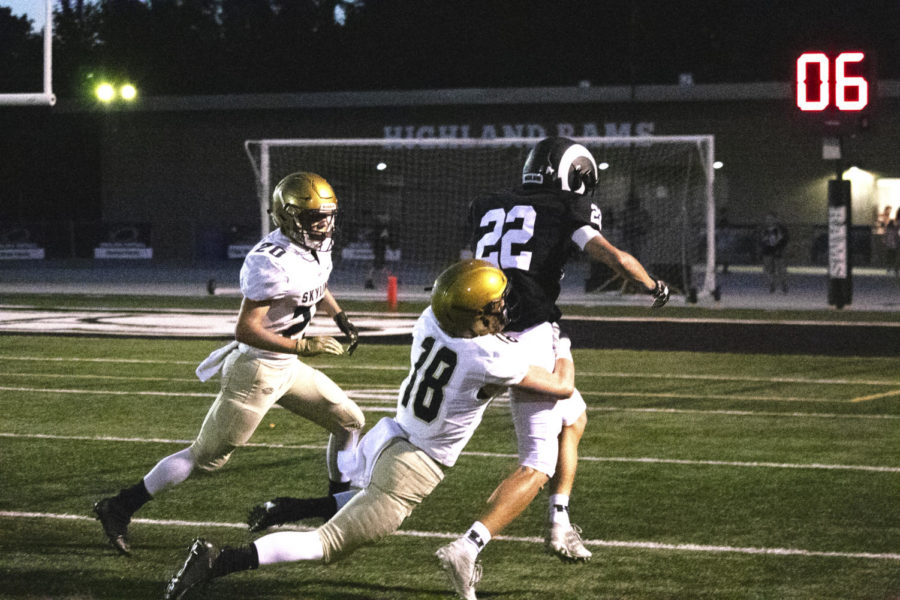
x=655 y=194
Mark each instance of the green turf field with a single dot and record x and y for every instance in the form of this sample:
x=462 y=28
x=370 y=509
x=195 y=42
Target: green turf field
x=702 y=476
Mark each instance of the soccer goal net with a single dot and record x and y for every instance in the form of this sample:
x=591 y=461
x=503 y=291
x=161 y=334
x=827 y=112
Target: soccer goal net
x=655 y=195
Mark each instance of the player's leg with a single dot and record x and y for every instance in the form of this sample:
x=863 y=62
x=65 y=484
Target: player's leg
x=562 y=538
x=314 y=396
x=279 y=511
x=769 y=269
x=230 y=421
x=402 y=477
x=781 y=273
x=537 y=459
x=537 y=428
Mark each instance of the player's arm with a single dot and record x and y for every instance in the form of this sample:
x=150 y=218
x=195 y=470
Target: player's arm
x=558 y=384
x=251 y=330
x=599 y=249
x=329 y=304
x=624 y=264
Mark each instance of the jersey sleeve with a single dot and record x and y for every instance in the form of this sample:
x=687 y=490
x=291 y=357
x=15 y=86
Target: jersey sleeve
x=586 y=220
x=262 y=278
x=505 y=362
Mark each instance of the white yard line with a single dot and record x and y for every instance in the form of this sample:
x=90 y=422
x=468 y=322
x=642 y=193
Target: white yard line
x=615 y=374
x=379 y=395
x=618 y=459
x=442 y=535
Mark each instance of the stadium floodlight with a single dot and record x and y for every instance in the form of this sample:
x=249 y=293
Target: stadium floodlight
x=105 y=92
x=128 y=92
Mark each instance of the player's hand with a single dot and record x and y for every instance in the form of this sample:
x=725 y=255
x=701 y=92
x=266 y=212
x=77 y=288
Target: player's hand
x=660 y=293
x=312 y=346
x=348 y=329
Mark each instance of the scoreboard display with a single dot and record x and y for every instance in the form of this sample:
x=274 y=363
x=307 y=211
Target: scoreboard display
x=835 y=89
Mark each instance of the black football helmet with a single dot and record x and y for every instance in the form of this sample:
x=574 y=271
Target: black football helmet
x=561 y=163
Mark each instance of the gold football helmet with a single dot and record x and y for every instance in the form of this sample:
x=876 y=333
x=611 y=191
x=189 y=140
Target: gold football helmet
x=304 y=208
x=469 y=299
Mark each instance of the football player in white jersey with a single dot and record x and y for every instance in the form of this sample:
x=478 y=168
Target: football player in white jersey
x=284 y=280
x=459 y=362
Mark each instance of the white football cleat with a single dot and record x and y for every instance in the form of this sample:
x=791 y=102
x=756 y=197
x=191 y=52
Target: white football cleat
x=461 y=569
x=565 y=542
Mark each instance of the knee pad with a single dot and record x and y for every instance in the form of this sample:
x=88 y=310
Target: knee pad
x=208 y=459
x=345 y=411
x=370 y=516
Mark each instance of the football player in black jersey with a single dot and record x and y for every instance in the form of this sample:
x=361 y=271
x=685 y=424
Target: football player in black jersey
x=530 y=232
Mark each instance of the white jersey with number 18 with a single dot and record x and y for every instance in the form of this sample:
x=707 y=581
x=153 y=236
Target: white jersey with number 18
x=441 y=402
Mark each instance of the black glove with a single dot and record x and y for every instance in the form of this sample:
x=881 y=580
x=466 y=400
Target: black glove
x=348 y=329
x=660 y=293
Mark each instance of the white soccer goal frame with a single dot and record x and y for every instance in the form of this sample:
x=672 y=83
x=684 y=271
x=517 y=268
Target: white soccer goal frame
x=47 y=97
x=261 y=168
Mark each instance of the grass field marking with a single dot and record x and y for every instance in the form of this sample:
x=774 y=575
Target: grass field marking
x=707 y=396
x=146 y=361
x=388 y=392
x=638 y=545
x=108 y=392
x=391 y=408
x=750 y=378
x=111 y=377
x=359 y=366
x=738 y=413
x=505 y=456
x=876 y=396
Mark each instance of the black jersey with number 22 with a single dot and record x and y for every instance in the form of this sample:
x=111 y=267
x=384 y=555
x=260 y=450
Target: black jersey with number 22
x=527 y=232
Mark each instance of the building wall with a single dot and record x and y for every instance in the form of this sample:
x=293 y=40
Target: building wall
x=180 y=164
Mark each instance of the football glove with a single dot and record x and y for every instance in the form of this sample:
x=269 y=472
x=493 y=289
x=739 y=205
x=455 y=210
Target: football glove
x=312 y=346
x=348 y=329
x=660 y=293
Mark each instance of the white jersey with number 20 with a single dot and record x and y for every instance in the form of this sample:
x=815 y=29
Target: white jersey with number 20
x=293 y=278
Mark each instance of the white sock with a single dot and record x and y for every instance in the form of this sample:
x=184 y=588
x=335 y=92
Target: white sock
x=170 y=471
x=559 y=509
x=477 y=537
x=289 y=546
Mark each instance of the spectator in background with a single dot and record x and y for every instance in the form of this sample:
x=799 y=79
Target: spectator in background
x=381 y=238
x=879 y=243
x=891 y=242
x=773 y=239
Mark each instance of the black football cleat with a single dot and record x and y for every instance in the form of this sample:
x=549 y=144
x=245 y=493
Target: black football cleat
x=197 y=569
x=115 y=524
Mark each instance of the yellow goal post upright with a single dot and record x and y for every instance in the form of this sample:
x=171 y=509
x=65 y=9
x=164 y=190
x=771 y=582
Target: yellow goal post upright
x=47 y=97
x=423 y=187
